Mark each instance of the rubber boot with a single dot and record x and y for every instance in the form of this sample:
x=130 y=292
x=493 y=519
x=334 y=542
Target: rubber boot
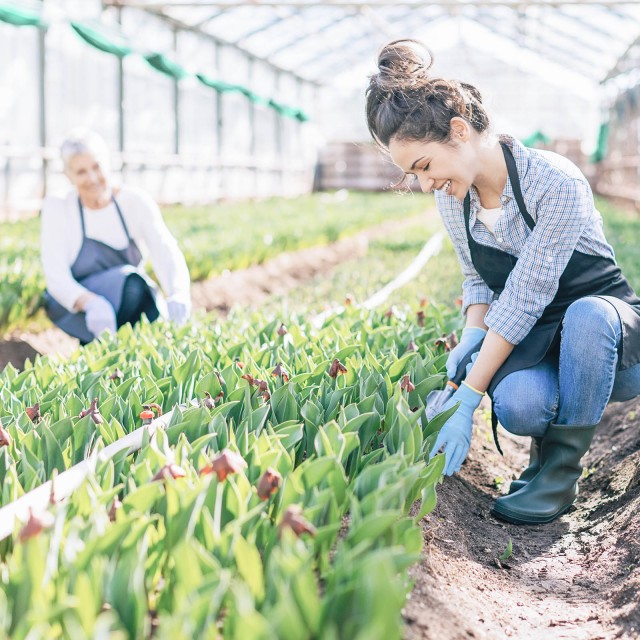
x=531 y=470
x=555 y=487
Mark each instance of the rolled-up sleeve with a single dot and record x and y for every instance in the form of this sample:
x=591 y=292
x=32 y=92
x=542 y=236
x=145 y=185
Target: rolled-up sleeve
x=562 y=215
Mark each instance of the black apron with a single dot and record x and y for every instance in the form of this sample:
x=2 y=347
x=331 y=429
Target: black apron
x=584 y=275
x=102 y=270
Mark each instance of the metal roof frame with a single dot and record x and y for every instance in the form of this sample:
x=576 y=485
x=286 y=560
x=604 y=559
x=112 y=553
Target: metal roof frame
x=590 y=57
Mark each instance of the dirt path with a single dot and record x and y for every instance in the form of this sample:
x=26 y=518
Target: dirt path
x=576 y=578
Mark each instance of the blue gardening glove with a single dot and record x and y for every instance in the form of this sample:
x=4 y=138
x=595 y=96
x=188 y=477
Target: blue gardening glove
x=470 y=340
x=99 y=315
x=455 y=435
x=474 y=357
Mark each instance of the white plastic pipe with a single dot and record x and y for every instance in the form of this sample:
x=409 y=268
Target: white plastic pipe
x=68 y=481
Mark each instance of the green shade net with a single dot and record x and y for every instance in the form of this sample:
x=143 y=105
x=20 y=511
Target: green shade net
x=601 y=148
x=165 y=65
x=105 y=38
x=26 y=14
x=537 y=137
x=218 y=85
x=225 y=87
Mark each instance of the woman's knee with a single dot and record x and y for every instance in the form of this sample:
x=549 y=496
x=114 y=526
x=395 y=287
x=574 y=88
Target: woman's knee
x=592 y=317
x=136 y=300
x=523 y=408
x=134 y=290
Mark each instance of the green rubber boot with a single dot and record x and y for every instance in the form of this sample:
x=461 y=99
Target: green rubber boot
x=531 y=470
x=555 y=487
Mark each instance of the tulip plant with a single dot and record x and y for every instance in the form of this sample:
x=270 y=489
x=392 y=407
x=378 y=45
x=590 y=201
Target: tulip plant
x=279 y=510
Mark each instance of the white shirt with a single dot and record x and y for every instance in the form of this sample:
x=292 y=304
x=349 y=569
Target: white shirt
x=61 y=239
x=489 y=217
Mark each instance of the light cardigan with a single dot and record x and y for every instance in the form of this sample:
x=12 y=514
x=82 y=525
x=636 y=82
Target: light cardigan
x=61 y=239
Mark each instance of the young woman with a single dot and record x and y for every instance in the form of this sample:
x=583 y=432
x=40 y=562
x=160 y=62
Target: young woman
x=556 y=323
x=92 y=247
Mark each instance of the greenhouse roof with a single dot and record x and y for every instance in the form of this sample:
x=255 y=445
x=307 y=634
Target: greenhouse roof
x=327 y=42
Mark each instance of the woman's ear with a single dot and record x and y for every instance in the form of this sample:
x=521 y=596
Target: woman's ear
x=459 y=129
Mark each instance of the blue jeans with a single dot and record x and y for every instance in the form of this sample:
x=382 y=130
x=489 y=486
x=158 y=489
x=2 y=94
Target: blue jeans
x=574 y=386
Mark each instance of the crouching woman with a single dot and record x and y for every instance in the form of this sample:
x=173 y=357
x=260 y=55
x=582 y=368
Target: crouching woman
x=555 y=322
x=93 y=247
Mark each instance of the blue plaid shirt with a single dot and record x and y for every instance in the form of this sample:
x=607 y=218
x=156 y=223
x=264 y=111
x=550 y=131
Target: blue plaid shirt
x=559 y=199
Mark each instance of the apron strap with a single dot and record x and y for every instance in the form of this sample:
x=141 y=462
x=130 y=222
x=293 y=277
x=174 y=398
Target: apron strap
x=517 y=192
x=124 y=224
x=80 y=207
x=515 y=185
x=494 y=429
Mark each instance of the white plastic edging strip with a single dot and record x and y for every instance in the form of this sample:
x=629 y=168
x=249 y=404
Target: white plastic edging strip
x=68 y=481
x=430 y=249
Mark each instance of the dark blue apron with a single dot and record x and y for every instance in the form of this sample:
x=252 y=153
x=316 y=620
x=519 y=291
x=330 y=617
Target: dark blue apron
x=102 y=270
x=584 y=275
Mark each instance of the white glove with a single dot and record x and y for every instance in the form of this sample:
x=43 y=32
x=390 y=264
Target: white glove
x=99 y=315
x=179 y=309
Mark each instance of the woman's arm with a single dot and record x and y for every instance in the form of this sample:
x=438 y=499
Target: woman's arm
x=476 y=314
x=493 y=353
x=166 y=258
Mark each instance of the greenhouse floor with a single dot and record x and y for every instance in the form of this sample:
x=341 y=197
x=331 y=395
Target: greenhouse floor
x=575 y=578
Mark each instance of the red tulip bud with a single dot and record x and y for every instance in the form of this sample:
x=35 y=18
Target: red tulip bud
x=116 y=375
x=5 y=437
x=412 y=346
x=208 y=401
x=293 y=519
x=281 y=372
x=337 y=368
x=116 y=505
x=33 y=413
x=226 y=463
x=269 y=483
x=406 y=384
x=35 y=524
x=93 y=412
x=169 y=470
x=421 y=318
x=282 y=330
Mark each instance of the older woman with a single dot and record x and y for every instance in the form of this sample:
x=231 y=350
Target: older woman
x=93 y=245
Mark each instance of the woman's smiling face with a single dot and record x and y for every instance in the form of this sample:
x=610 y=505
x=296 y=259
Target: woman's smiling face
x=449 y=167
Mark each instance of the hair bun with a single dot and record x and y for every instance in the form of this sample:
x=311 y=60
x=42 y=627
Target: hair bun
x=402 y=64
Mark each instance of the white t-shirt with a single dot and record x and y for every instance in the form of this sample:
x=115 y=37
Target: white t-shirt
x=61 y=239
x=489 y=217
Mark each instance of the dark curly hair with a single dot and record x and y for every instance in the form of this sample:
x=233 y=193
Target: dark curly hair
x=404 y=102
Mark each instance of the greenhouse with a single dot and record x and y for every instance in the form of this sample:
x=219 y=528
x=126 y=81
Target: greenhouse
x=319 y=319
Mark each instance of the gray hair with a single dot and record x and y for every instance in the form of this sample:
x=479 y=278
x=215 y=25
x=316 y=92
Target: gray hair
x=81 y=141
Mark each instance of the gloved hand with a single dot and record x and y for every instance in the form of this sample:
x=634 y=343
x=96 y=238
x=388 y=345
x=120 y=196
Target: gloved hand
x=470 y=339
x=179 y=309
x=455 y=434
x=99 y=315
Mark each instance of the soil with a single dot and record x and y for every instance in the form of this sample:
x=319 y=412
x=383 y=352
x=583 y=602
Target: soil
x=576 y=578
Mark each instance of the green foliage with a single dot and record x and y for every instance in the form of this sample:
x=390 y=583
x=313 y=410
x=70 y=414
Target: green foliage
x=215 y=238
x=200 y=557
